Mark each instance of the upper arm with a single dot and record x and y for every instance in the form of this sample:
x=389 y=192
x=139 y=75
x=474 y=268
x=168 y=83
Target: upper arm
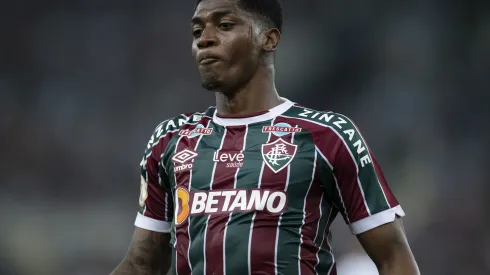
x=364 y=197
x=149 y=250
x=156 y=200
x=379 y=243
x=368 y=204
x=150 y=244
x=388 y=247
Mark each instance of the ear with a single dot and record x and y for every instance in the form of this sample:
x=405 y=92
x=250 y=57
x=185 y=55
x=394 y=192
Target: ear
x=271 y=39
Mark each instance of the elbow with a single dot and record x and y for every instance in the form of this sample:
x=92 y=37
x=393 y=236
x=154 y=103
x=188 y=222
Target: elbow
x=398 y=265
x=133 y=266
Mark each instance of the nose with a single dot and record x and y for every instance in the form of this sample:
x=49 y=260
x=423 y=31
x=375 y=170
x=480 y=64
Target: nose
x=207 y=39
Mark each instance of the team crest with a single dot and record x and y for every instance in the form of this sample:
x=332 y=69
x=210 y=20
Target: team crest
x=278 y=154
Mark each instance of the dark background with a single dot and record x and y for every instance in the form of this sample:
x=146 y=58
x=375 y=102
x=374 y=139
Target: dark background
x=84 y=83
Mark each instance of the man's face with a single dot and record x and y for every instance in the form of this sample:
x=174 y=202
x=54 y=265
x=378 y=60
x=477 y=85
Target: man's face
x=225 y=44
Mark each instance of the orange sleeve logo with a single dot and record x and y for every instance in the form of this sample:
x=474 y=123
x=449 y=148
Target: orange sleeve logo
x=182 y=210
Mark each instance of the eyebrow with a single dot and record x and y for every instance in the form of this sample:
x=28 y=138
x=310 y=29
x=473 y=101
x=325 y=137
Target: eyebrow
x=215 y=14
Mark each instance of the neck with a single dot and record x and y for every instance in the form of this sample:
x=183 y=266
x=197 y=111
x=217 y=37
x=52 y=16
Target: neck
x=257 y=95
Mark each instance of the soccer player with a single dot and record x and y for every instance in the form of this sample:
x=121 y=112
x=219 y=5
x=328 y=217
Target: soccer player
x=252 y=185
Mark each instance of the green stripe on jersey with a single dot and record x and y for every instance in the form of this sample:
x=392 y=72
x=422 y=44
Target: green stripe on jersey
x=173 y=268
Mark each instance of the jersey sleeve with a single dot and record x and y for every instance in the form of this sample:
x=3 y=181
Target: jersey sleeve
x=364 y=195
x=155 y=201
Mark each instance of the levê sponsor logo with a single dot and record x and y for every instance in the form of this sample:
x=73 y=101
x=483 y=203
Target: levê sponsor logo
x=232 y=159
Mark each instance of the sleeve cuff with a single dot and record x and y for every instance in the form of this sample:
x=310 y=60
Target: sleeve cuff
x=152 y=224
x=376 y=220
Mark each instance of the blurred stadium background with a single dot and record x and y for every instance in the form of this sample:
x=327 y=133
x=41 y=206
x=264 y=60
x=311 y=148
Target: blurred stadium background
x=83 y=83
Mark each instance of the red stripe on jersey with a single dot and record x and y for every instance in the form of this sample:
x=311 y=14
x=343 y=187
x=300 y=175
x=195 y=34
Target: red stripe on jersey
x=156 y=202
x=224 y=179
x=390 y=197
x=347 y=180
x=308 y=248
x=332 y=146
x=264 y=232
x=182 y=179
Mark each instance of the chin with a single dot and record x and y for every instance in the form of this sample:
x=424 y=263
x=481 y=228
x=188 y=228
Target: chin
x=211 y=84
x=212 y=87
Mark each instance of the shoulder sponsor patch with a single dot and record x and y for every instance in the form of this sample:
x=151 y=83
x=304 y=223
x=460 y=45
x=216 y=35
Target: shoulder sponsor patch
x=281 y=129
x=199 y=130
x=346 y=130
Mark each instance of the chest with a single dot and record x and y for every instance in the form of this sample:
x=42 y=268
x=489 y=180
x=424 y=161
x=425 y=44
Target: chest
x=240 y=158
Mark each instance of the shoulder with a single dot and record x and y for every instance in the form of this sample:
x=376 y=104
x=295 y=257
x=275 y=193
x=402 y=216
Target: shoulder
x=172 y=125
x=330 y=130
x=322 y=121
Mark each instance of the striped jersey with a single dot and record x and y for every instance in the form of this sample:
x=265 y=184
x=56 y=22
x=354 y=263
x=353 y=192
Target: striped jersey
x=257 y=195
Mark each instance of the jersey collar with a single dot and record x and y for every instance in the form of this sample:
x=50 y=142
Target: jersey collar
x=272 y=113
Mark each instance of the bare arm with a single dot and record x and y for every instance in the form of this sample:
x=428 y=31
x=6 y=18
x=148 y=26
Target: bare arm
x=388 y=247
x=149 y=254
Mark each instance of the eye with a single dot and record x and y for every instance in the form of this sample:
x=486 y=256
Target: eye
x=196 y=32
x=225 y=25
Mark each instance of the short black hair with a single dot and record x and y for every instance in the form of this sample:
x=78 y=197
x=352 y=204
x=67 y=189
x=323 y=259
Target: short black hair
x=270 y=11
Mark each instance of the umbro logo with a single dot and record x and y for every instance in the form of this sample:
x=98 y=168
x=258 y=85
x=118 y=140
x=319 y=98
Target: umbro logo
x=183 y=158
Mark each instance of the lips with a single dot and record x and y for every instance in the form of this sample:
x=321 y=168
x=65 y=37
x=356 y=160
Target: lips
x=208 y=61
x=205 y=59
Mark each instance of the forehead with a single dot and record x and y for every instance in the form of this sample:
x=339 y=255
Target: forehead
x=209 y=7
